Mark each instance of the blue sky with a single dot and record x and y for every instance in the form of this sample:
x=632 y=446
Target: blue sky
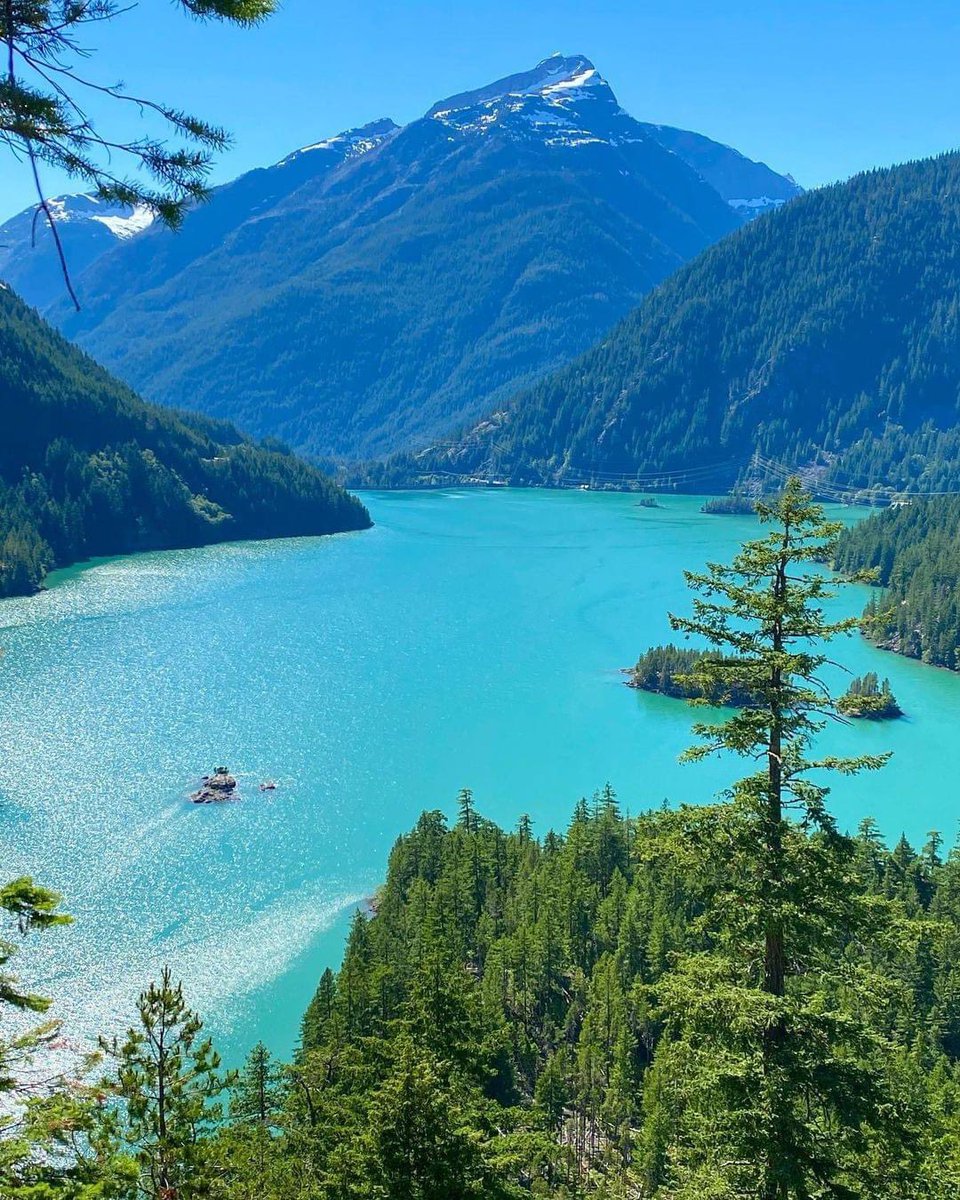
x=818 y=89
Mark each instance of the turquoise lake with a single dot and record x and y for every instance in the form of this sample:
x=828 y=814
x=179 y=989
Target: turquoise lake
x=472 y=638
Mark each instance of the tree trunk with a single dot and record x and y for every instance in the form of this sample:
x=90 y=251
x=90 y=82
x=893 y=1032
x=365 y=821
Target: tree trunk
x=774 y=957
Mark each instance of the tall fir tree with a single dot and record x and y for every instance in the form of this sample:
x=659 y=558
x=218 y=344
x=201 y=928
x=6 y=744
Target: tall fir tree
x=775 y=1083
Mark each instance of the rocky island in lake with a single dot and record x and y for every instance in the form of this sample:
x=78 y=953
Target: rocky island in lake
x=216 y=788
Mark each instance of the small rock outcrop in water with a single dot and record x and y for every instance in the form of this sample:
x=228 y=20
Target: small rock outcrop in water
x=216 y=788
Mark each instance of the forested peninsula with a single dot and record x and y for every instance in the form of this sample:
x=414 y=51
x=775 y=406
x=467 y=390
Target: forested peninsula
x=914 y=550
x=89 y=469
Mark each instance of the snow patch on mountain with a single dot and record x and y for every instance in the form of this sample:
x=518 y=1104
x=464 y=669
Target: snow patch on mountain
x=759 y=203
x=140 y=218
x=589 y=75
x=123 y=220
x=351 y=143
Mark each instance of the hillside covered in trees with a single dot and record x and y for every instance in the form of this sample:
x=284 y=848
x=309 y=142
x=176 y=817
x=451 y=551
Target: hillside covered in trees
x=87 y=468
x=530 y=983
x=915 y=551
x=824 y=334
x=506 y=1026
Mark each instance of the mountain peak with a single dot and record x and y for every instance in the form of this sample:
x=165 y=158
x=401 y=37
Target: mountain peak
x=87 y=225
x=553 y=78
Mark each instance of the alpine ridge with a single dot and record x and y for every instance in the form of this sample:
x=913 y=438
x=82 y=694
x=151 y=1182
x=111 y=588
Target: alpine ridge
x=383 y=287
x=89 y=229
x=87 y=226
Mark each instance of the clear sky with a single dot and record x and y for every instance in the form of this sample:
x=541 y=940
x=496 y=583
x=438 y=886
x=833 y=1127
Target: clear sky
x=819 y=88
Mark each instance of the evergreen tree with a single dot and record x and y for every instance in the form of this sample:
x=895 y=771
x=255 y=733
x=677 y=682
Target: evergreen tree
x=258 y=1092
x=420 y=1146
x=763 y=1054
x=466 y=810
x=168 y=1082
x=319 y=1012
x=32 y=909
x=31 y=1125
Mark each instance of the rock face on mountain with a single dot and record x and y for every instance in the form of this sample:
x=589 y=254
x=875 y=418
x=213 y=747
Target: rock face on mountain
x=749 y=187
x=381 y=288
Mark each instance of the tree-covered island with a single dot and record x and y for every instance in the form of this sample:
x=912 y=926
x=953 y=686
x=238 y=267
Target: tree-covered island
x=671 y=671
x=735 y=504
x=868 y=697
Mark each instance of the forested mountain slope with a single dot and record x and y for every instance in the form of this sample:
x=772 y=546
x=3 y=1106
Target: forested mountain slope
x=915 y=551
x=403 y=290
x=87 y=468
x=824 y=334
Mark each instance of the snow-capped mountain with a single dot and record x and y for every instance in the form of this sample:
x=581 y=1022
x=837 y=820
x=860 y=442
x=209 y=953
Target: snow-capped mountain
x=384 y=286
x=567 y=102
x=88 y=226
